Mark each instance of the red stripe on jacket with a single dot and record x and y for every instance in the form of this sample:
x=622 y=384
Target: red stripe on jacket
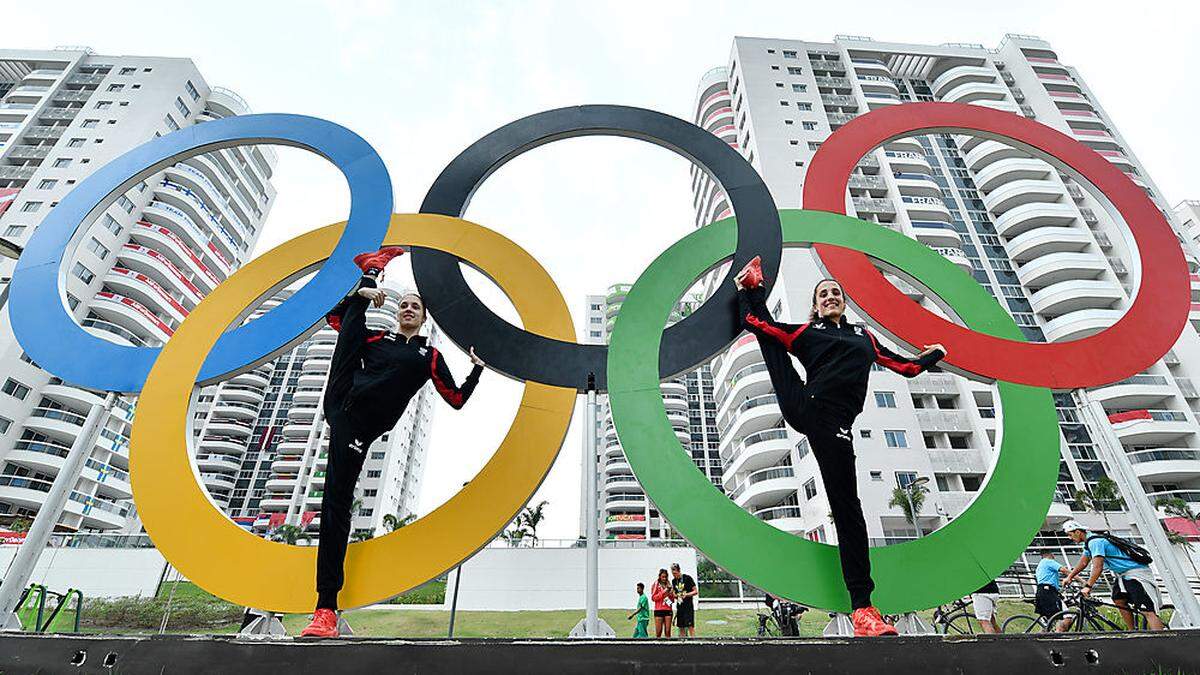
x=903 y=367
x=783 y=336
x=452 y=396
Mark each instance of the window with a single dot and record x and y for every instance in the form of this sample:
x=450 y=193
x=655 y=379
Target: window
x=31 y=207
x=800 y=88
x=905 y=478
x=789 y=54
x=801 y=105
x=5 y=423
x=15 y=389
x=792 y=70
x=378 y=455
x=865 y=433
x=191 y=90
x=112 y=224
x=14 y=230
x=374 y=474
x=814 y=145
x=125 y=203
x=73 y=302
x=47 y=184
x=810 y=489
x=943 y=483
x=103 y=105
x=183 y=109
x=174 y=126
x=97 y=248
x=877 y=476
x=895 y=439
x=62 y=162
x=783 y=103
x=116 y=87
x=809 y=126
x=90 y=124
x=75 y=143
x=128 y=71
x=885 y=399
x=83 y=273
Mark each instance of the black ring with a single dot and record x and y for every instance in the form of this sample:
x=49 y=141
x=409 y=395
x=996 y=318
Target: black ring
x=526 y=356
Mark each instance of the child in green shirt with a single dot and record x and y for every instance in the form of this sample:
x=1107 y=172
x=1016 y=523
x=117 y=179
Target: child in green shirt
x=642 y=613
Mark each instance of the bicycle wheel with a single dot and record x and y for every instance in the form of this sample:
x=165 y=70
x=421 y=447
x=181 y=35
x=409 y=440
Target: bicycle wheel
x=1023 y=623
x=1077 y=624
x=960 y=624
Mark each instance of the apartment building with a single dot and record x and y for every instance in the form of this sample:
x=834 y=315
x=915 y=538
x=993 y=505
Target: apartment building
x=141 y=266
x=1038 y=241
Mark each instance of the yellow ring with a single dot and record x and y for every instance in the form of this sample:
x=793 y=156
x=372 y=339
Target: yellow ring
x=209 y=549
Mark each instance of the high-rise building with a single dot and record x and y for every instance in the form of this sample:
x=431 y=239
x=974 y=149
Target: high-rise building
x=1039 y=242
x=143 y=264
x=625 y=511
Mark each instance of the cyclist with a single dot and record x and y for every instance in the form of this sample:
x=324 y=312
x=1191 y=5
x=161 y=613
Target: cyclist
x=1048 y=600
x=837 y=357
x=372 y=377
x=1134 y=587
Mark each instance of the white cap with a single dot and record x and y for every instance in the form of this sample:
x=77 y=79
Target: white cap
x=1072 y=525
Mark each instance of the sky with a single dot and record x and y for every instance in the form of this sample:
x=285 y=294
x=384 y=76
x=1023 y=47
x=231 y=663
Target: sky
x=422 y=81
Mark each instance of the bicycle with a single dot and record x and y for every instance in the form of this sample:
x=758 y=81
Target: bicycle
x=955 y=619
x=782 y=621
x=1085 y=616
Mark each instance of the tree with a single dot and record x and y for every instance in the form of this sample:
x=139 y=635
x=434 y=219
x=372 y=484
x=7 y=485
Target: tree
x=362 y=535
x=1175 y=507
x=290 y=534
x=909 y=500
x=1100 y=498
x=391 y=522
x=514 y=536
x=529 y=519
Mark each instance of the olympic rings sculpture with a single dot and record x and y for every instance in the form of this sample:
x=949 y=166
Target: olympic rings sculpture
x=245 y=569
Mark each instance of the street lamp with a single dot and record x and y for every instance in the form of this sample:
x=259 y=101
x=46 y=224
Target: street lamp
x=908 y=493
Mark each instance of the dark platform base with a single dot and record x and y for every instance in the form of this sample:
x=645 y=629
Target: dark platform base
x=1173 y=652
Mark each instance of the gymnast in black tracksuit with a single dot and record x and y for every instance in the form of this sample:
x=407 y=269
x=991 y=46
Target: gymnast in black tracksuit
x=372 y=377
x=837 y=356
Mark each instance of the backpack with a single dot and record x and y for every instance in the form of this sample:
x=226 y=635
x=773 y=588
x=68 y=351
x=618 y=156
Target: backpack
x=1130 y=550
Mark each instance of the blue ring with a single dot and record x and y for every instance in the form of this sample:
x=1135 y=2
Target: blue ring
x=56 y=343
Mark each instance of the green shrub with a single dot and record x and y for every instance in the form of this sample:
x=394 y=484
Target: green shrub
x=140 y=613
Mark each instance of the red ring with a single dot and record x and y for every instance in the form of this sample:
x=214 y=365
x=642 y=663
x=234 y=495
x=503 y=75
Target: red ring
x=1147 y=330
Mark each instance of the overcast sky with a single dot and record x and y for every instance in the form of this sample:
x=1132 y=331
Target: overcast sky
x=421 y=81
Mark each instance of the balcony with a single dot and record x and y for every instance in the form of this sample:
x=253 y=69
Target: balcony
x=926 y=208
x=958 y=75
x=943 y=420
x=917 y=184
x=1047 y=240
x=1057 y=267
x=625 y=502
x=1158 y=427
x=1021 y=219
x=933 y=383
x=968 y=461
x=987 y=152
x=876 y=207
x=976 y=92
x=753 y=415
x=1021 y=192
x=1003 y=171
x=1166 y=464
x=1075 y=294
x=786 y=518
x=839 y=102
x=743 y=352
x=757 y=451
x=1189 y=496
x=954 y=255
x=764 y=487
x=907 y=162
x=219 y=463
x=1138 y=391
x=62 y=425
x=749 y=382
x=872 y=184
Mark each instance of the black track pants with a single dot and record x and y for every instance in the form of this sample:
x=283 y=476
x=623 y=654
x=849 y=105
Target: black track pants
x=833 y=447
x=348 y=443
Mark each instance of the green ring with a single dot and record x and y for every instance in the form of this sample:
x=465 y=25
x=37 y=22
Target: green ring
x=948 y=564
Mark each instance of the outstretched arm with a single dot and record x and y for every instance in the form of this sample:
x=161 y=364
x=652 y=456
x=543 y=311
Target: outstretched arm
x=752 y=306
x=904 y=365
x=443 y=380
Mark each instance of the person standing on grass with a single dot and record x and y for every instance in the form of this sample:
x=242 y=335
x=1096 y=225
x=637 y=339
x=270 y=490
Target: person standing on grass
x=685 y=612
x=663 y=595
x=642 y=613
x=985 y=600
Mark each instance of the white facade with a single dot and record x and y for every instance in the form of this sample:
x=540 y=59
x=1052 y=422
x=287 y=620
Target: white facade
x=1038 y=241
x=625 y=512
x=142 y=266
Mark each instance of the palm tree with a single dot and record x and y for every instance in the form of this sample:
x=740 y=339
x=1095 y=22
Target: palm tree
x=290 y=534
x=1175 y=507
x=1102 y=497
x=909 y=500
x=362 y=535
x=514 y=536
x=391 y=522
x=530 y=518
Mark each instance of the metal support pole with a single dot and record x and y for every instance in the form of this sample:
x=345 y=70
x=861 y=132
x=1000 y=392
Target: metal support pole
x=51 y=510
x=591 y=626
x=1144 y=514
x=592 y=596
x=454 y=599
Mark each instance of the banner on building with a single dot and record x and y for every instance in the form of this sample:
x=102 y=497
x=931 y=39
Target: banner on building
x=7 y=197
x=10 y=538
x=306 y=518
x=625 y=517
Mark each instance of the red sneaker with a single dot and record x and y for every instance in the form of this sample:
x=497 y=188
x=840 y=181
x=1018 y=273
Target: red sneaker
x=375 y=261
x=325 y=624
x=754 y=273
x=868 y=623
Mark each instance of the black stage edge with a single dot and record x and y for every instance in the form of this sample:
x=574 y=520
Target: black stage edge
x=1160 y=653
